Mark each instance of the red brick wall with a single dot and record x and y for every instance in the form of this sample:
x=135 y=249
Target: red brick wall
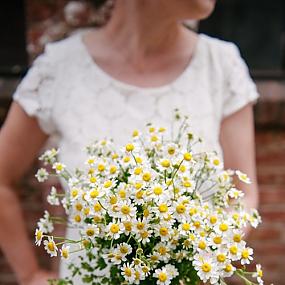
x=269 y=239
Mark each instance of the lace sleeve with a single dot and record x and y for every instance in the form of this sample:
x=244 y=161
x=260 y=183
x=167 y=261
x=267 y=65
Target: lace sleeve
x=239 y=87
x=35 y=92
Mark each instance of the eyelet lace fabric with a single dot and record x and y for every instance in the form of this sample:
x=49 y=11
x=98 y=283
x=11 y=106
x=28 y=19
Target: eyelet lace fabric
x=75 y=102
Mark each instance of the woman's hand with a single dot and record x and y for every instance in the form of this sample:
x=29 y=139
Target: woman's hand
x=40 y=277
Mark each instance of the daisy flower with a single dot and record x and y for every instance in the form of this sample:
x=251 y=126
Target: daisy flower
x=258 y=274
x=243 y=177
x=246 y=255
x=42 y=175
x=128 y=272
x=50 y=247
x=114 y=230
x=58 y=167
x=38 y=237
x=64 y=251
x=163 y=276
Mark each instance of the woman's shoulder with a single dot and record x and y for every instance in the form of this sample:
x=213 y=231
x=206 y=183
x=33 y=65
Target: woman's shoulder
x=218 y=46
x=63 y=50
x=220 y=54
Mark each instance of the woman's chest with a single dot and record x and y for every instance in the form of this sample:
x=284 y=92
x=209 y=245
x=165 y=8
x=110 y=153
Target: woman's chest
x=91 y=107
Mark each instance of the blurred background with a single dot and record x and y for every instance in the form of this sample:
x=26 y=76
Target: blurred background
x=256 y=26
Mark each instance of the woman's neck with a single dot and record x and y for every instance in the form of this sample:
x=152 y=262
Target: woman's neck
x=140 y=29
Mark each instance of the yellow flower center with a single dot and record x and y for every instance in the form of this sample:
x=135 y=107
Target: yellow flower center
x=217 y=240
x=163 y=208
x=146 y=176
x=122 y=193
x=154 y=258
x=92 y=179
x=186 y=227
x=187 y=184
x=124 y=249
x=130 y=147
x=115 y=156
x=237 y=238
x=59 y=167
x=144 y=234
x=140 y=225
x=97 y=207
x=74 y=193
x=187 y=156
x=94 y=193
x=245 y=254
x=138 y=171
x=154 y=138
x=101 y=167
x=64 y=253
x=139 y=159
x=139 y=194
x=162 y=250
x=206 y=267
x=128 y=226
x=145 y=269
x=233 y=249
x=223 y=227
x=90 y=161
x=90 y=232
x=77 y=219
x=202 y=245
x=86 y=211
x=135 y=133
x=128 y=272
x=138 y=185
x=114 y=229
x=113 y=169
x=165 y=163
x=146 y=213
x=182 y=168
x=197 y=224
x=108 y=183
x=126 y=210
x=113 y=200
x=78 y=207
x=163 y=231
x=126 y=159
x=180 y=209
x=216 y=162
x=228 y=268
x=171 y=150
x=50 y=246
x=151 y=129
x=213 y=220
x=162 y=277
x=157 y=190
x=39 y=235
x=221 y=257
x=97 y=219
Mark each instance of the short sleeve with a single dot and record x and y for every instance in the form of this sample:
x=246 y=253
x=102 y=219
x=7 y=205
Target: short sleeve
x=36 y=91
x=239 y=87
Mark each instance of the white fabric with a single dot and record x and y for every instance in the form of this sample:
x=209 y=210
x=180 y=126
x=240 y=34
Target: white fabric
x=75 y=101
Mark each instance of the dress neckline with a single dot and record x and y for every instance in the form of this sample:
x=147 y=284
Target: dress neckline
x=193 y=62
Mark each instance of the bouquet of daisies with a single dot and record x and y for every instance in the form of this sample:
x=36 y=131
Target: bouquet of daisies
x=152 y=212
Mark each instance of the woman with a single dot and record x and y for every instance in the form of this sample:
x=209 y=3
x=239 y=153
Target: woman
x=107 y=82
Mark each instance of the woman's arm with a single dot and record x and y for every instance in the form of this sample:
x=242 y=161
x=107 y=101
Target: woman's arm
x=20 y=141
x=237 y=140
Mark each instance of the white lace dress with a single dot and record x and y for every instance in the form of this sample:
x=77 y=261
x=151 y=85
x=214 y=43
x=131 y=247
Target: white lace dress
x=75 y=101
